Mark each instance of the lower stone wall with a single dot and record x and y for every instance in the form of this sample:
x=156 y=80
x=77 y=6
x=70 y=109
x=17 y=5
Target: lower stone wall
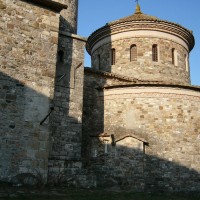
x=93 y=107
x=141 y=137
x=28 y=47
x=168 y=119
x=118 y=164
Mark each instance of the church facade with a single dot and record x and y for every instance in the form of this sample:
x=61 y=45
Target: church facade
x=131 y=121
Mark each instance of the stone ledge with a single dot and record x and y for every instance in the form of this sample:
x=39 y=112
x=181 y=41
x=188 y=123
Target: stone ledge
x=74 y=36
x=151 y=92
x=52 y=5
x=157 y=85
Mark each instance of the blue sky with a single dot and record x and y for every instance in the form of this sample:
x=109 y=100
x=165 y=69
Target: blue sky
x=94 y=14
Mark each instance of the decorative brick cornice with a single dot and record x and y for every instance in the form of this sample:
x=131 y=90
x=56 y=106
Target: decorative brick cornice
x=50 y=4
x=160 y=85
x=129 y=24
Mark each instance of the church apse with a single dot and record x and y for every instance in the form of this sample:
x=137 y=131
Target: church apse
x=139 y=106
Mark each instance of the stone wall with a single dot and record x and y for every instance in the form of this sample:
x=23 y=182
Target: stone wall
x=99 y=156
x=140 y=137
x=93 y=105
x=28 y=49
x=69 y=16
x=167 y=118
x=119 y=164
x=66 y=121
x=144 y=68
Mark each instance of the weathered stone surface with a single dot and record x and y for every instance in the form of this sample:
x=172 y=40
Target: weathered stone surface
x=144 y=68
x=25 y=92
x=166 y=120
x=2 y=5
x=126 y=126
x=137 y=133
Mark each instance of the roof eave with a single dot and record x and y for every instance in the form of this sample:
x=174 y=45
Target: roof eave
x=49 y=4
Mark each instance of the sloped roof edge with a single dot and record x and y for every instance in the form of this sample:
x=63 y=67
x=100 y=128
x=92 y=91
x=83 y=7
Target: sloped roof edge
x=116 y=76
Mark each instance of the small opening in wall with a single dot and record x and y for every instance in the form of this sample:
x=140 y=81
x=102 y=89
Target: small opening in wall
x=133 y=52
x=155 y=53
x=60 y=56
x=113 y=55
x=99 y=61
x=173 y=56
x=186 y=63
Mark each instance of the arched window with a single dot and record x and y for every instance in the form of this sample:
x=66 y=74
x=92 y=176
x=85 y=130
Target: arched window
x=60 y=56
x=99 y=61
x=155 y=53
x=186 y=63
x=133 y=52
x=173 y=56
x=113 y=59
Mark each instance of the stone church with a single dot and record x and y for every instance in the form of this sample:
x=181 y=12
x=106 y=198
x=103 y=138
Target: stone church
x=131 y=121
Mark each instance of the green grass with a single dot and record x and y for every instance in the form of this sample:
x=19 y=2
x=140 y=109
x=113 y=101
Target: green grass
x=101 y=195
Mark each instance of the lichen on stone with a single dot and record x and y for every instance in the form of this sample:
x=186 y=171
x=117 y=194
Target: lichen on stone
x=2 y=5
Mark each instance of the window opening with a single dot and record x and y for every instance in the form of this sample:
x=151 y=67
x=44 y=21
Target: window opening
x=173 y=56
x=99 y=61
x=133 y=53
x=155 y=53
x=186 y=63
x=113 y=54
x=60 y=56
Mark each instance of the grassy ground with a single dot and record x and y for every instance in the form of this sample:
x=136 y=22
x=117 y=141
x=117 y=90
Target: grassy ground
x=96 y=195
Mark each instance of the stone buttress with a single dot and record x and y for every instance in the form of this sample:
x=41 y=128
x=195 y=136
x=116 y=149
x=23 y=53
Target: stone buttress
x=66 y=119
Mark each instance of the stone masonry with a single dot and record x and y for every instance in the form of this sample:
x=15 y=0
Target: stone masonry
x=140 y=117
x=144 y=68
x=28 y=48
x=168 y=120
x=122 y=124
x=66 y=120
x=31 y=37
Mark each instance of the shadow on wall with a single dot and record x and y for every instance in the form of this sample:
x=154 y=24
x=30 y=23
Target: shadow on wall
x=63 y=85
x=23 y=141
x=25 y=128
x=120 y=157
x=95 y=79
x=66 y=119
x=124 y=160
x=93 y=112
x=103 y=59
x=127 y=167
x=26 y=131
x=114 y=162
